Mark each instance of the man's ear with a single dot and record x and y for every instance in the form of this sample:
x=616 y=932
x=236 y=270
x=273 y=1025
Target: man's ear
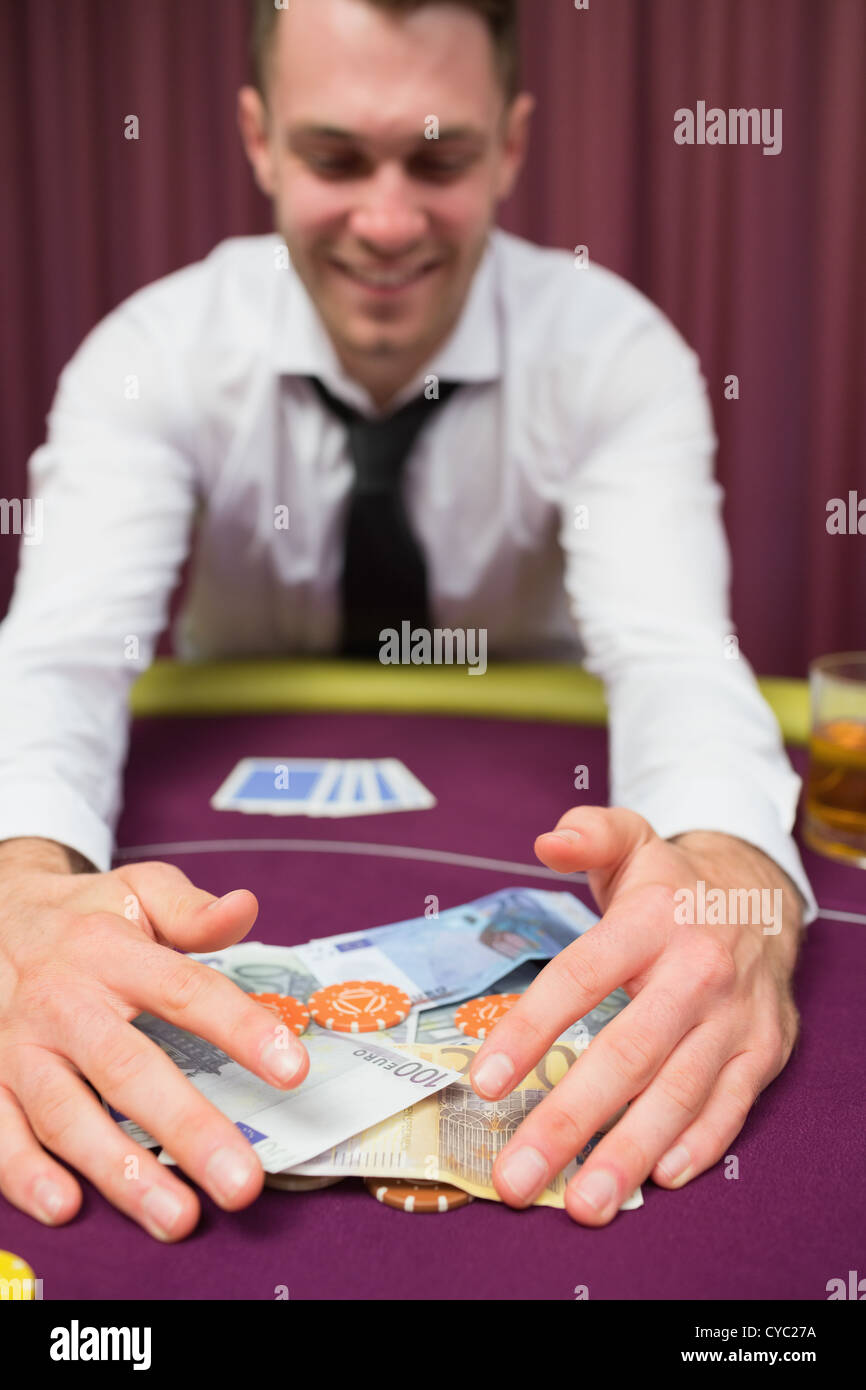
x=518 y=120
x=254 y=127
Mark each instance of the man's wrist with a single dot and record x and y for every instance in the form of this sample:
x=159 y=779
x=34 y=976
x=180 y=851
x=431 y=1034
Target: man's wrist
x=31 y=852
x=741 y=865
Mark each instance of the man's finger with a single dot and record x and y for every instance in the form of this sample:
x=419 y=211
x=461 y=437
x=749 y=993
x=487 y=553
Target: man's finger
x=141 y=1081
x=618 y=947
x=29 y=1177
x=202 y=1001
x=709 y=1137
x=68 y=1119
x=650 y=1125
x=593 y=837
x=617 y=1066
x=185 y=916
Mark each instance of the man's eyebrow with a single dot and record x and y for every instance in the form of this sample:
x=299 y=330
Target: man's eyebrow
x=326 y=132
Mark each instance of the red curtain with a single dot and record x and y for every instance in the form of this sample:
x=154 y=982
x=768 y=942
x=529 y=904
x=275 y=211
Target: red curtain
x=759 y=260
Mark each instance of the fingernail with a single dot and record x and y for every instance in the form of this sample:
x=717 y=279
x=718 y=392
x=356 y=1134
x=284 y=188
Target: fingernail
x=676 y=1164
x=493 y=1074
x=282 y=1062
x=227 y=1172
x=163 y=1208
x=48 y=1200
x=216 y=902
x=570 y=837
x=598 y=1189
x=525 y=1172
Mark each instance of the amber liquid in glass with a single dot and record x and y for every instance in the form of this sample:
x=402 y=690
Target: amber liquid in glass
x=835 y=814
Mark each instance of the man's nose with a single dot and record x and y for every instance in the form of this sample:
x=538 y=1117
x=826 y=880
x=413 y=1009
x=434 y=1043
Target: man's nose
x=388 y=217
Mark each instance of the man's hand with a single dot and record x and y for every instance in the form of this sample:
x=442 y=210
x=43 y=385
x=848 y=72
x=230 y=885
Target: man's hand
x=80 y=956
x=711 y=1020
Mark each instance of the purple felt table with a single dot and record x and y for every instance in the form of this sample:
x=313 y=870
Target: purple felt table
x=792 y=1220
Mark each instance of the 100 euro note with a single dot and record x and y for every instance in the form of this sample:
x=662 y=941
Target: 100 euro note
x=351 y=1084
x=454 y=1136
x=256 y=968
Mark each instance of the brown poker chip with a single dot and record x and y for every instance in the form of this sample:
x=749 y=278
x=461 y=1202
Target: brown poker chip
x=416 y=1196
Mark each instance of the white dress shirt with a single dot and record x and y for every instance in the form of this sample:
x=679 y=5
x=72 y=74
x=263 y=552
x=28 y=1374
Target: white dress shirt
x=184 y=420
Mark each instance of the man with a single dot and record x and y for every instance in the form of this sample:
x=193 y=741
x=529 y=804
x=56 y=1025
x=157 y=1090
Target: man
x=386 y=134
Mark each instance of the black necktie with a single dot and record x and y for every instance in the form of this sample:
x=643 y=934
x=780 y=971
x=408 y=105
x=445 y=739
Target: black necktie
x=384 y=580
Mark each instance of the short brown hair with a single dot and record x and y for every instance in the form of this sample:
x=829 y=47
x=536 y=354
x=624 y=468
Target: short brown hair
x=500 y=16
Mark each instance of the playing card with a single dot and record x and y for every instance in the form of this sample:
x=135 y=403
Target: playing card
x=272 y=786
x=321 y=787
x=328 y=792
x=368 y=785
x=355 y=793
x=351 y=797
x=400 y=789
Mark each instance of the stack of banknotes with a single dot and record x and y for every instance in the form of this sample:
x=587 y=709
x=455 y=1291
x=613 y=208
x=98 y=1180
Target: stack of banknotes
x=396 y=1103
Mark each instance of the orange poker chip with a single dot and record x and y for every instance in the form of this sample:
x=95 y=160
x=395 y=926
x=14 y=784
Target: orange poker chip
x=478 y=1017
x=359 y=1006
x=287 y=1008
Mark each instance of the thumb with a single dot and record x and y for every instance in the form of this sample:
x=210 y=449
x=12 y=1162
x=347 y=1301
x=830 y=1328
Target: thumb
x=185 y=916
x=594 y=837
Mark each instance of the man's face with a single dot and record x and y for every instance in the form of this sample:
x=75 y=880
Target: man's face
x=385 y=226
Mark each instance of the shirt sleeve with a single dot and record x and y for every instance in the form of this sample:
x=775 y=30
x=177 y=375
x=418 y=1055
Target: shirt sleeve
x=693 y=744
x=111 y=499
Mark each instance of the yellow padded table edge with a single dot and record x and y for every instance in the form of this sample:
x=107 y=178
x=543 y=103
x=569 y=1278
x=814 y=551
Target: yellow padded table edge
x=553 y=693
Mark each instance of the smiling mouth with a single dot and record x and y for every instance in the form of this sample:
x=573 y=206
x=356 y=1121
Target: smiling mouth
x=386 y=281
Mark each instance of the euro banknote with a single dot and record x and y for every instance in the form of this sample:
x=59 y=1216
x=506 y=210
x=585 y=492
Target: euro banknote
x=352 y=1083
x=259 y=968
x=454 y=1136
x=437 y=1026
x=457 y=953
x=438 y=959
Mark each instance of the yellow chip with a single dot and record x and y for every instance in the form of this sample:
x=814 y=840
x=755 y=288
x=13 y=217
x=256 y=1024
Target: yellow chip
x=17 y=1280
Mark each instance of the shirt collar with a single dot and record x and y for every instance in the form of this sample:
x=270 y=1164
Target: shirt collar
x=472 y=353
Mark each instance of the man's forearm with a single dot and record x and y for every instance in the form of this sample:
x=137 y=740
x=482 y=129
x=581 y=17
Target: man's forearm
x=31 y=852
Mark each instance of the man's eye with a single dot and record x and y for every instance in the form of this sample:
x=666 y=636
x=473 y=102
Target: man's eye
x=333 y=166
x=433 y=168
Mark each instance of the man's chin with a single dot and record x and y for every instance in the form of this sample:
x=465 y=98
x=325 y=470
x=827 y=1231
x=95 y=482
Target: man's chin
x=396 y=325
x=374 y=342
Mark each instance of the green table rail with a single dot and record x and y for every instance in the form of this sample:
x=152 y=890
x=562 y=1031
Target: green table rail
x=556 y=693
